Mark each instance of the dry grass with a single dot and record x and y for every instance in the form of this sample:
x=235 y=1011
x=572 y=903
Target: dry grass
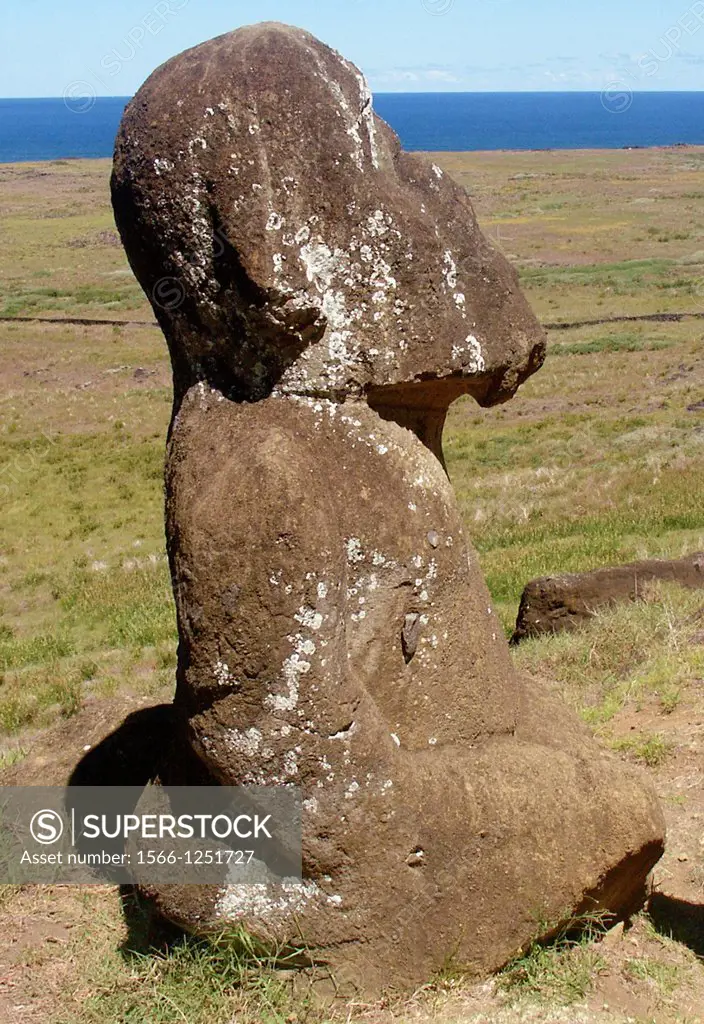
x=626 y=655
x=599 y=459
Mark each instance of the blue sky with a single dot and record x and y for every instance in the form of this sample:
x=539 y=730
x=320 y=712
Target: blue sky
x=80 y=47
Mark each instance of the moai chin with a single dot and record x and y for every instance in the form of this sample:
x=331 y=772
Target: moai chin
x=326 y=297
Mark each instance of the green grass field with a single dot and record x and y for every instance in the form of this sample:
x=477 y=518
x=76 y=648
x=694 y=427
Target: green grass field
x=599 y=459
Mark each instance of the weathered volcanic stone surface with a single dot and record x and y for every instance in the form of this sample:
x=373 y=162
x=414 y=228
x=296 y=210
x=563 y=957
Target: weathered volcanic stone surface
x=328 y=297
x=553 y=604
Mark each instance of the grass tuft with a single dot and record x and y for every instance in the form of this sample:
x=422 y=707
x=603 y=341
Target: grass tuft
x=651 y=750
x=561 y=971
x=202 y=981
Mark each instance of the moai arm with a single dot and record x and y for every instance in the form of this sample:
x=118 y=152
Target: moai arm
x=259 y=569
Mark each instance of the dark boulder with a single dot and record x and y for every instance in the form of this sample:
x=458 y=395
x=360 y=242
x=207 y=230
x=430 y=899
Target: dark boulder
x=552 y=604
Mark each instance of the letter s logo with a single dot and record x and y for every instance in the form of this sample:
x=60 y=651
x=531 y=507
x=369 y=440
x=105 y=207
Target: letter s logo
x=47 y=827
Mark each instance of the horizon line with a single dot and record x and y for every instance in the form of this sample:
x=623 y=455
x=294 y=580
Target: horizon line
x=424 y=92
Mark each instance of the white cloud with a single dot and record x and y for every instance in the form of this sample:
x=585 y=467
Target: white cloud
x=416 y=74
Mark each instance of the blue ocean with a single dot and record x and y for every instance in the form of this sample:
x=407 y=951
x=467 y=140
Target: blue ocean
x=50 y=129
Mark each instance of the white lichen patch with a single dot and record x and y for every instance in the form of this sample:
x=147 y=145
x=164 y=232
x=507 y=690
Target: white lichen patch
x=358 y=122
x=275 y=221
x=379 y=223
x=265 y=900
x=248 y=743
x=470 y=355
x=222 y=674
x=450 y=271
x=291 y=762
x=309 y=618
x=160 y=166
x=354 y=550
x=292 y=669
x=367 y=117
x=354 y=287
x=322 y=266
x=381 y=279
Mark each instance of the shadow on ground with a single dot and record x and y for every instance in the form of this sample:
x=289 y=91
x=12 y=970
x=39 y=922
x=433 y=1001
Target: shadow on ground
x=678 y=919
x=132 y=754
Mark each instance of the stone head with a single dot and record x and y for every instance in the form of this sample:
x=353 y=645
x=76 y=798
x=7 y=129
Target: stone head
x=288 y=244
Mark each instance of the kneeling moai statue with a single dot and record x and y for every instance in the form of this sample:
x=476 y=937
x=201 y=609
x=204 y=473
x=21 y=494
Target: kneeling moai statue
x=325 y=297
